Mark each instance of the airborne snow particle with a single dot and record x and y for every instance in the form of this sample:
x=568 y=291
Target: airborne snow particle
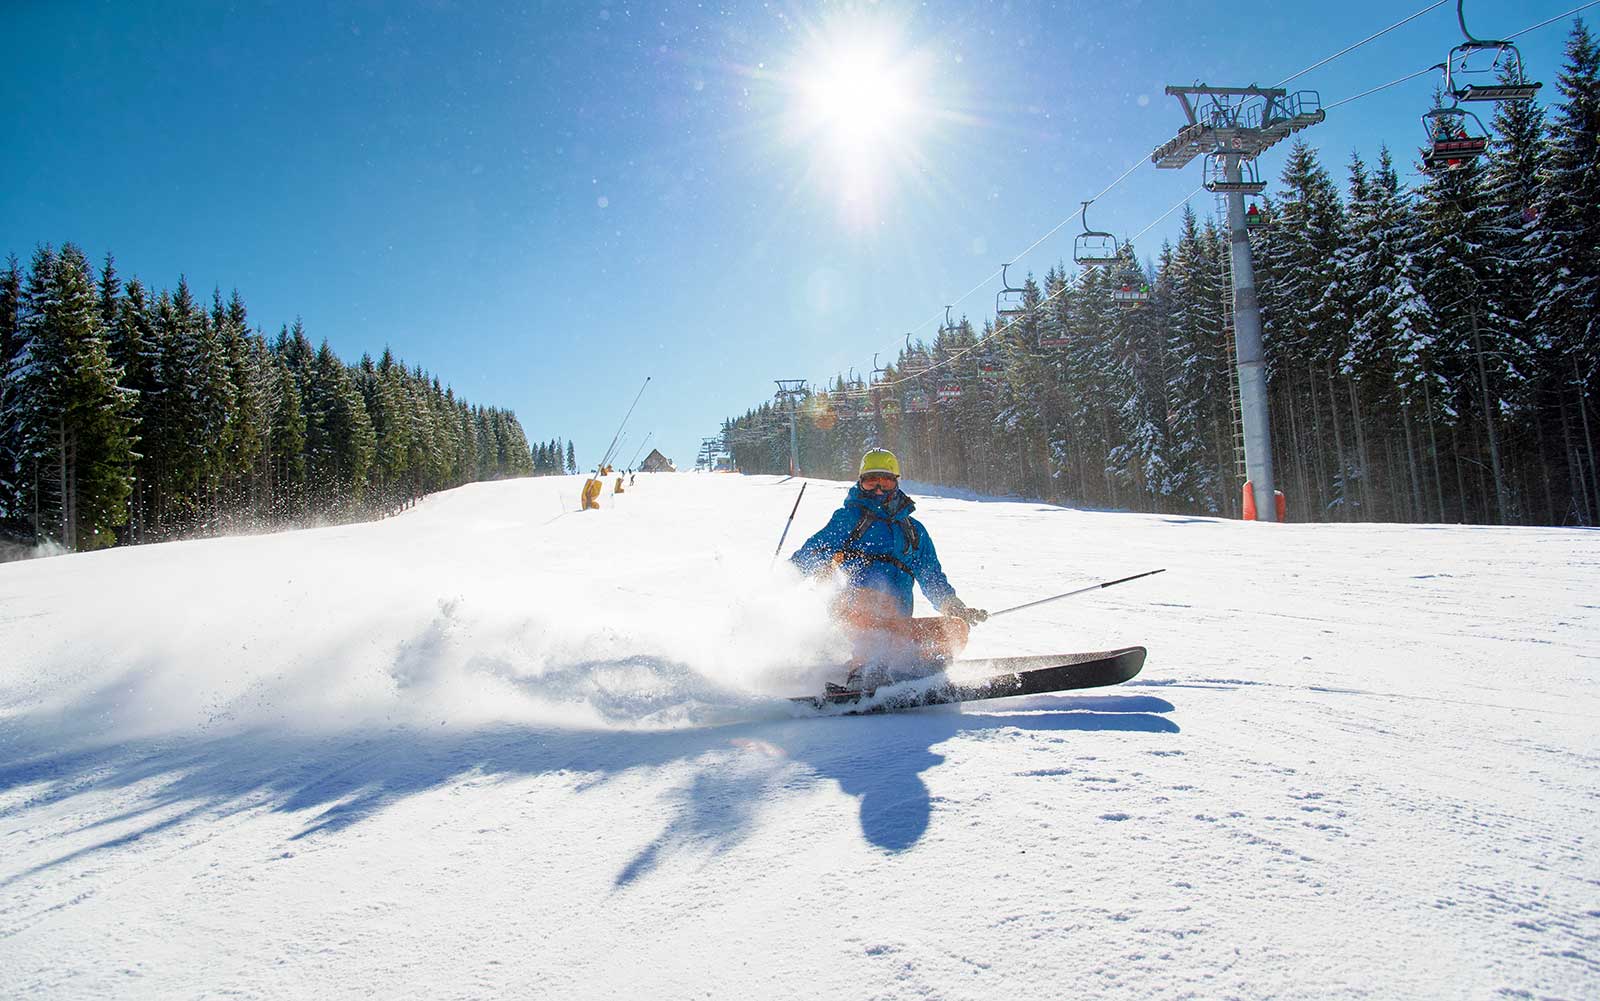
x=602 y=201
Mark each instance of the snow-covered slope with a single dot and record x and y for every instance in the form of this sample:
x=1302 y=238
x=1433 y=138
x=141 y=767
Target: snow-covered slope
x=488 y=749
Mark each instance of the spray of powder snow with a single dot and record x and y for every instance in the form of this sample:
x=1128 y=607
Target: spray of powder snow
x=342 y=648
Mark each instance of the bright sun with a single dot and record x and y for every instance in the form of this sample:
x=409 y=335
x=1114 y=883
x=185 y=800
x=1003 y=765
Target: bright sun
x=856 y=100
x=860 y=105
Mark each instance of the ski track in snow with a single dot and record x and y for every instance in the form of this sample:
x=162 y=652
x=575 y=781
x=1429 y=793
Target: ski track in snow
x=480 y=750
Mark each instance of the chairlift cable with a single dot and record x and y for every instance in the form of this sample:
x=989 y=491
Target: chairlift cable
x=1430 y=69
x=1357 y=45
x=1541 y=24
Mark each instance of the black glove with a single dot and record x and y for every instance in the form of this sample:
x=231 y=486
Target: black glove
x=956 y=608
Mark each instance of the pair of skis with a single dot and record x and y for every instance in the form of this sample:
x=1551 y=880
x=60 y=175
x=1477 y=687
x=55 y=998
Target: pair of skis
x=976 y=680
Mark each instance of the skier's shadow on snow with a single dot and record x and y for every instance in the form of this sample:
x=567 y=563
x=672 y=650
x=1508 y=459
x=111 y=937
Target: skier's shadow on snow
x=879 y=760
x=885 y=769
x=337 y=780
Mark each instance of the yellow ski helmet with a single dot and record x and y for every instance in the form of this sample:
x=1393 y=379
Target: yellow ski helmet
x=879 y=460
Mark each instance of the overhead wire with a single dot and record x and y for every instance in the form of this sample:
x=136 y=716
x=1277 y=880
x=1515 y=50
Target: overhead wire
x=1351 y=48
x=867 y=390
x=1412 y=76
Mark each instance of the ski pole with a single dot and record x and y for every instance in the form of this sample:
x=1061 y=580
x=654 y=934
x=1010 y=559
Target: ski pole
x=1091 y=587
x=786 y=525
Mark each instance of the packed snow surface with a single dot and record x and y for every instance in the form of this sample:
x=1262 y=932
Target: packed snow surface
x=496 y=748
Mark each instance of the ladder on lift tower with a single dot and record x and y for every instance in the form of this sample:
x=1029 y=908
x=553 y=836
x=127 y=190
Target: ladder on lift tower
x=1225 y=261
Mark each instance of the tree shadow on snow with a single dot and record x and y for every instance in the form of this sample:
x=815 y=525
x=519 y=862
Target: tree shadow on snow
x=337 y=780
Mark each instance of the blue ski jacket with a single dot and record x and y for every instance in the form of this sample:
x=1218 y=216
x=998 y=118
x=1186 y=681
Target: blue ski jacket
x=880 y=546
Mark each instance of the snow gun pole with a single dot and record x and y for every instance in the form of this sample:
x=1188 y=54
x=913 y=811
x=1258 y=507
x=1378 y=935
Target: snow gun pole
x=787 y=524
x=1091 y=587
x=642 y=444
x=613 y=446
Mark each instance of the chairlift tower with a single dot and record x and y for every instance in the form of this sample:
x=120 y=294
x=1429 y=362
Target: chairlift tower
x=1232 y=126
x=791 y=390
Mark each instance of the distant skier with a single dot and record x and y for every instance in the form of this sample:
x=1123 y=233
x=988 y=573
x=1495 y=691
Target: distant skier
x=881 y=549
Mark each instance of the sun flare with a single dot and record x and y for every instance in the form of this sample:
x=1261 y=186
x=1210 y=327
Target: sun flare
x=860 y=105
x=857 y=100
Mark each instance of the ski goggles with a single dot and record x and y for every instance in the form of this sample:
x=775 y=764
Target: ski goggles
x=878 y=482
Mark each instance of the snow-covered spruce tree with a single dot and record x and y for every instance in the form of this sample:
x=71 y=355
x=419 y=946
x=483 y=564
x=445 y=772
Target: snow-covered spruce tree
x=213 y=407
x=173 y=429
x=1472 y=346
x=134 y=351
x=1352 y=289
x=572 y=459
x=286 y=451
x=1140 y=394
x=1512 y=180
x=339 y=440
x=76 y=424
x=1024 y=395
x=1567 y=301
x=1304 y=330
x=1188 y=291
x=1092 y=389
x=1389 y=324
x=13 y=519
x=246 y=417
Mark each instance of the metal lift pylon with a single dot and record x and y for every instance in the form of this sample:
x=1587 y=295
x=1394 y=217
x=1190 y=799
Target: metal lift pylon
x=1237 y=124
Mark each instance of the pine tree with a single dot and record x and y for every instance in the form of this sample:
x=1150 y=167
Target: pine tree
x=13 y=359
x=76 y=424
x=1471 y=340
x=1567 y=237
x=1305 y=329
x=339 y=438
x=1389 y=333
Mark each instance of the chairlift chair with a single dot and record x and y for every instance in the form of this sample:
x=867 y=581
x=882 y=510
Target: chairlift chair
x=990 y=364
x=1452 y=142
x=1131 y=295
x=950 y=391
x=1255 y=219
x=1216 y=174
x=890 y=407
x=1008 y=305
x=1467 y=59
x=915 y=362
x=917 y=402
x=1092 y=247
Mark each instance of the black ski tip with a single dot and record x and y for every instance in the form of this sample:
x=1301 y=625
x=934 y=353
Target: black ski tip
x=1005 y=678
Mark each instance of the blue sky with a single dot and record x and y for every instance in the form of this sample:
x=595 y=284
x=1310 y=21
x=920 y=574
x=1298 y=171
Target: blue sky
x=545 y=203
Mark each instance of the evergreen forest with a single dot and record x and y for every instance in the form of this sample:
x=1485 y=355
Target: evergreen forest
x=1432 y=351
x=130 y=416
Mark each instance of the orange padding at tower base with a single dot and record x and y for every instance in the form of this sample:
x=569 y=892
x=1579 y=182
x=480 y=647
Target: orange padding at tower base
x=1250 y=503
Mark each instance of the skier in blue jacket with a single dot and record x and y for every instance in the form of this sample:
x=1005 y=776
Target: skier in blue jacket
x=881 y=550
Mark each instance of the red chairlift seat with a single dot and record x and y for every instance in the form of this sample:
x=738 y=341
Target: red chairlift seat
x=1452 y=143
